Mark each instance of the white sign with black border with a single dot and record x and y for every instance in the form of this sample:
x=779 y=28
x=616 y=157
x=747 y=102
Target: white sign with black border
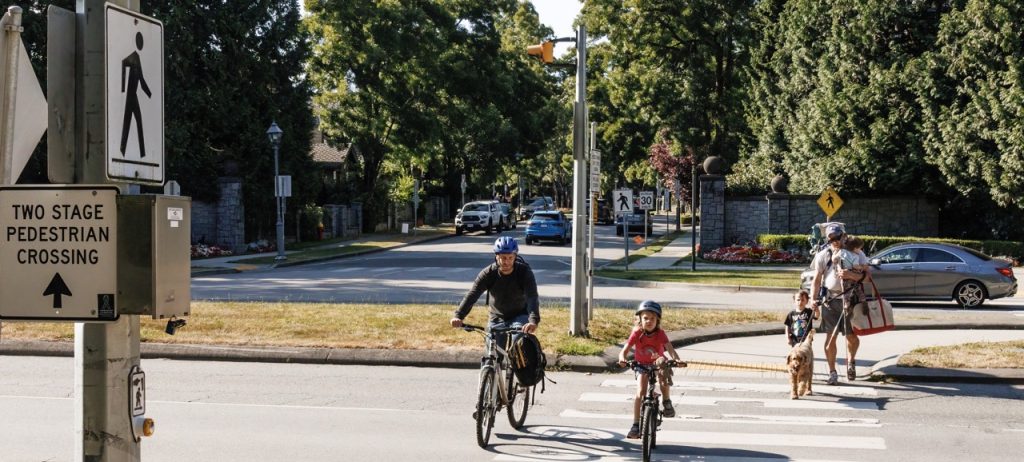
x=134 y=65
x=646 y=200
x=58 y=257
x=622 y=200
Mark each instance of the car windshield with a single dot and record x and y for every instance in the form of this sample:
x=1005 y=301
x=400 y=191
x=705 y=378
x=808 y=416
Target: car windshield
x=537 y=203
x=542 y=217
x=475 y=208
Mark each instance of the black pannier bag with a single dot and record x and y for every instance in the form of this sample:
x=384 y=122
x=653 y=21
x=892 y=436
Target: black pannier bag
x=528 y=359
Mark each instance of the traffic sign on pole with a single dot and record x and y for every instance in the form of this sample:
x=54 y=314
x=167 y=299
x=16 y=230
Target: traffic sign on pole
x=134 y=63
x=623 y=201
x=646 y=200
x=59 y=253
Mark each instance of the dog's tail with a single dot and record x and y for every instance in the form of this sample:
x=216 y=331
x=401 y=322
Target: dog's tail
x=809 y=337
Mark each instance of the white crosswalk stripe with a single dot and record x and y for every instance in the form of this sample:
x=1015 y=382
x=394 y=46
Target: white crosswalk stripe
x=768 y=427
x=751 y=387
x=718 y=400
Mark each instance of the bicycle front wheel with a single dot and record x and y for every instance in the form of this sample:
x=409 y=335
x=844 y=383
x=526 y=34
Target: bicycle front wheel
x=485 y=405
x=518 y=402
x=648 y=429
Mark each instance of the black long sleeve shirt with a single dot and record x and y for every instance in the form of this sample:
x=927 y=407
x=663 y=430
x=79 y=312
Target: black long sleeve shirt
x=511 y=295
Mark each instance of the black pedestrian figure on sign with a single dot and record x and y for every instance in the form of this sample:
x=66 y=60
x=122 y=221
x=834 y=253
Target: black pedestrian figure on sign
x=623 y=202
x=829 y=200
x=131 y=105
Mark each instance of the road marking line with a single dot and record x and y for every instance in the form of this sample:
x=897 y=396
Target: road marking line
x=727 y=439
x=745 y=387
x=805 y=403
x=739 y=419
x=574 y=455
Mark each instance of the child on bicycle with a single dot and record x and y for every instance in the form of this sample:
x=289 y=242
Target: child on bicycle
x=798 y=321
x=650 y=343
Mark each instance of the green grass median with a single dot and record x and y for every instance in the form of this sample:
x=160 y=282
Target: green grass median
x=753 y=278
x=420 y=327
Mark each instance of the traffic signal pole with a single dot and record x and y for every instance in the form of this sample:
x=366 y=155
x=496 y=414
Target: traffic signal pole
x=578 y=319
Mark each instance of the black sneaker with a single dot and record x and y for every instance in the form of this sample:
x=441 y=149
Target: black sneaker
x=668 y=411
x=634 y=432
x=851 y=373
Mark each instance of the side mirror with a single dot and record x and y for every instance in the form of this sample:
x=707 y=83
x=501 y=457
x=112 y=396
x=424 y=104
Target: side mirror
x=875 y=262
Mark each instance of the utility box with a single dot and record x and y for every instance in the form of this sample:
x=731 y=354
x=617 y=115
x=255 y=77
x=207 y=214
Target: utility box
x=154 y=260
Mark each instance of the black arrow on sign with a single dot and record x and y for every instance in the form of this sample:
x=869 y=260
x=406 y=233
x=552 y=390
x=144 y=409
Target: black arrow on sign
x=57 y=288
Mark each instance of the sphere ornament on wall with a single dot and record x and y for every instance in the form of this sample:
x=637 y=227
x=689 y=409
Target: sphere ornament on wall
x=780 y=184
x=713 y=165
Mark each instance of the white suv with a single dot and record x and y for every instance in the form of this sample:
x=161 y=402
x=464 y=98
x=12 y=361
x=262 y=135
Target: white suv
x=477 y=216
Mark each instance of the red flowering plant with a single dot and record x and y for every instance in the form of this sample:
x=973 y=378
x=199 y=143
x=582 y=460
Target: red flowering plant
x=753 y=254
x=204 y=251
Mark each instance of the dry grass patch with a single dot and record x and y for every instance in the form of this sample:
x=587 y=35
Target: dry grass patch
x=978 y=355
x=786 y=279
x=424 y=327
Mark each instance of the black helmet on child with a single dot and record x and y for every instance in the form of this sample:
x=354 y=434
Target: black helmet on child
x=649 y=305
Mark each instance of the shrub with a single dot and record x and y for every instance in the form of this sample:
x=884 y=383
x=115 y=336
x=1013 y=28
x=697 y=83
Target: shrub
x=1009 y=250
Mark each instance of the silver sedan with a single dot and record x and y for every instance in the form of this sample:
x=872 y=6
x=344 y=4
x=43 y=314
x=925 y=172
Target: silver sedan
x=926 y=271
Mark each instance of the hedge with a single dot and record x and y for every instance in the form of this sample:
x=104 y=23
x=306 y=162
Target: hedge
x=872 y=244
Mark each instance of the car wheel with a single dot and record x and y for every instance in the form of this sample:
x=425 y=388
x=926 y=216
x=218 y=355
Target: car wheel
x=489 y=229
x=969 y=294
x=618 y=230
x=458 y=230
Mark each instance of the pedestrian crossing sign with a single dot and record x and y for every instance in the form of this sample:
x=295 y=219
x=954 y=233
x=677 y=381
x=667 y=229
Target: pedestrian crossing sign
x=134 y=72
x=829 y=201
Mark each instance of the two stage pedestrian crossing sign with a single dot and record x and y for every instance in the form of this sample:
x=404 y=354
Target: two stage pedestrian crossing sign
x=134 y=66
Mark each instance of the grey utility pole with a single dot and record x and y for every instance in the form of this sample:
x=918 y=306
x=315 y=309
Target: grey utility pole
x=577 y=318
x=595 y=170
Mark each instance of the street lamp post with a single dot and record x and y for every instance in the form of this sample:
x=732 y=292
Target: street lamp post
x=274 y=135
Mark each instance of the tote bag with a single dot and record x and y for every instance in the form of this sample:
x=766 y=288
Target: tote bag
x=872 y=316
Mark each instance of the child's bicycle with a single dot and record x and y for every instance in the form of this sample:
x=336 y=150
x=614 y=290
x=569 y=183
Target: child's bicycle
x=498 y=386
x=650 y=407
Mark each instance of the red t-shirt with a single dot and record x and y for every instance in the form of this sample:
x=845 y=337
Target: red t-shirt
x=648 y=347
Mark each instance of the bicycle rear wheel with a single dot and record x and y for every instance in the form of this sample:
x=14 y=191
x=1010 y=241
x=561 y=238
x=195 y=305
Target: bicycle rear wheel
x=518 y=402
x=485 y=406
x=648 y=429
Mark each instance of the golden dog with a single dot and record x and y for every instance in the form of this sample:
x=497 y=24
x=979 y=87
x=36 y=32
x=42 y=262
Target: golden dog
x=800 y=363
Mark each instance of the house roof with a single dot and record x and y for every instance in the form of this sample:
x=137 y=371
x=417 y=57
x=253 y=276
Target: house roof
x=328 y=156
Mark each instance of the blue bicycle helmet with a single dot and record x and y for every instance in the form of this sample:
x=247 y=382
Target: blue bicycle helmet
x=649 y=305
x=506 y=244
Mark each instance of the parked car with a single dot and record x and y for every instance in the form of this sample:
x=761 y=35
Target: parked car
x=634 y=221
x=549 y=225
x=537 y=203
x=927 y=271
x=478 y=216
x=508 y=216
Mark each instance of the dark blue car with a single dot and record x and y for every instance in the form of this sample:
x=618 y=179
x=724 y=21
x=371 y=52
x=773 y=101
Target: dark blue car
x=550 y=225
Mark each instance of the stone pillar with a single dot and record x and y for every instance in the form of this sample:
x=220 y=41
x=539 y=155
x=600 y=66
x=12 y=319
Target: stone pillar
x=778 y=213
x=712 y=212
x=231 y=214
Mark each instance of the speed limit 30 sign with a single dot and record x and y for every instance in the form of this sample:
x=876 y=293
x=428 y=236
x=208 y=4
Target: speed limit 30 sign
x=646 y=200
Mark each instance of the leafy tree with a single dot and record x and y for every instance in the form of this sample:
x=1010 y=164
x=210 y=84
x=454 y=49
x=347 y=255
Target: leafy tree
x=831 y=101
x=673 y=166
x=973 y=102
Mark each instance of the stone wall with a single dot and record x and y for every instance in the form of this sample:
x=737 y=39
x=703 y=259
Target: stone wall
x=221 y=223
x=738 y=220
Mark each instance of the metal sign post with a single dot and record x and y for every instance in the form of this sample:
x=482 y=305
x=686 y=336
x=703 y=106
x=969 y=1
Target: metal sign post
x=623 y=203
x=646 y=204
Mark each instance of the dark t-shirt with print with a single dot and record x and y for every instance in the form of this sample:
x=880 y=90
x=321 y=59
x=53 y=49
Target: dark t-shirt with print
x=799 y=323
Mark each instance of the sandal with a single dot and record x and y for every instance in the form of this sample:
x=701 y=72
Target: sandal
x=634 y=432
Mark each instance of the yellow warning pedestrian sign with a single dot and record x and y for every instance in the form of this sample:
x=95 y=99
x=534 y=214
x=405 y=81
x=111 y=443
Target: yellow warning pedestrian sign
x=829 y=201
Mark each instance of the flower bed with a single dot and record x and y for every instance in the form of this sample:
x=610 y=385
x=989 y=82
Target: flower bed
x=753 y=254
x=204 y=251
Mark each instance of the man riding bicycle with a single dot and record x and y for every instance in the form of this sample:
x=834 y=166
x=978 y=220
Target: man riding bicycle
x=513 y=290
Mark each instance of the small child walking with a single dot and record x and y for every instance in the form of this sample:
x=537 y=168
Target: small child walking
x=798 y=322
x=651 y=343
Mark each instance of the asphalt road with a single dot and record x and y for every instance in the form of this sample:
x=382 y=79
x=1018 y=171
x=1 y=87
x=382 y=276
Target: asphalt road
x=228 y=412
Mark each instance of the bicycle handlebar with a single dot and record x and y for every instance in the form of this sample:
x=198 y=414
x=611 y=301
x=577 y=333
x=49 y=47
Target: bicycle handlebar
x=495 y=330
x=632 y=364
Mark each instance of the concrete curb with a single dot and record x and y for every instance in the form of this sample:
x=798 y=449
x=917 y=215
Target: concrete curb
x=601 y=280
x=885 y=370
